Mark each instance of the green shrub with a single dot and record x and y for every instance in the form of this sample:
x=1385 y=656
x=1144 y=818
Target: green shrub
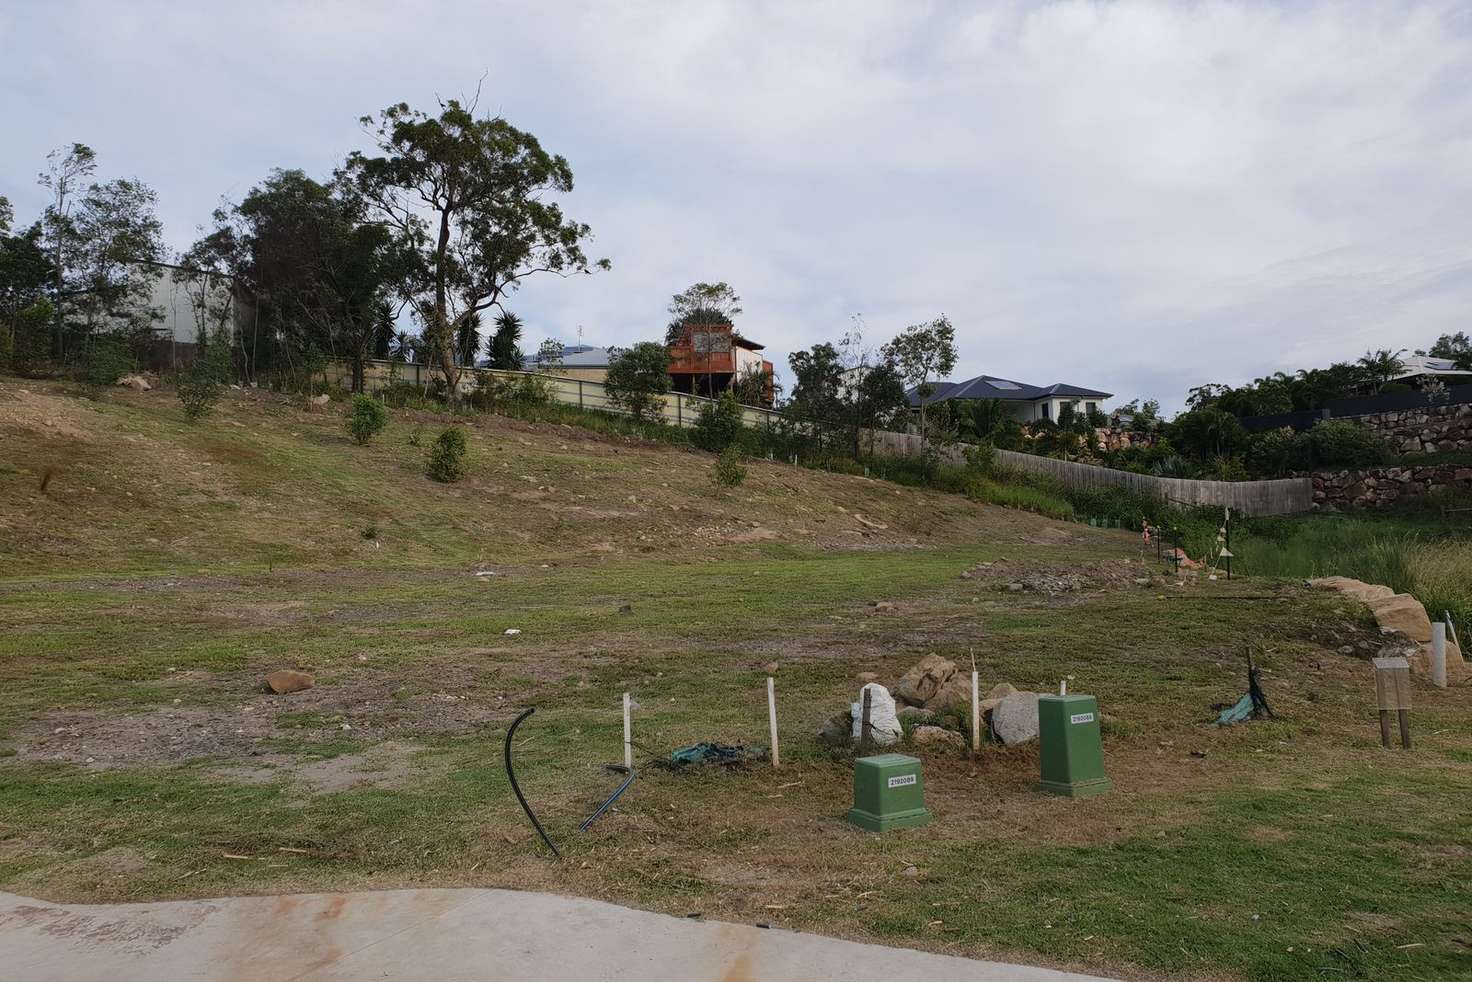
x=638 y=379
x=107 y=361
x=1340 y=443
x=719 y=424
x=198 y=389
x=1277 y=453
x=366 y=418
x=729 y=471
x=447 y=456
x=30 y=350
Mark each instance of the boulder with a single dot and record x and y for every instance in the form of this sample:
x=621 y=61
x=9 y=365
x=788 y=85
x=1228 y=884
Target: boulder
x=135 y=382
x=838 y=731
x=285 y=680
x=884 y=724
x=924 y=680
x=320 y=400
x=954 y=693
x=1402 y=612
x=1353 y=588
x=937 y=737
x=1000 y=691
x=915 y=715
x=1015 y=720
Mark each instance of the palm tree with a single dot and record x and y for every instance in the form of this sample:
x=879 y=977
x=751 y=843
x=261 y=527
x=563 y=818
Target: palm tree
x=405 y=347
x=467 y=340
x=503 y=346
x=1379 y=367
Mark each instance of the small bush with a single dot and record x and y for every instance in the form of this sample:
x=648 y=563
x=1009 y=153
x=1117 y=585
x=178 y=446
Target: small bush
x=719 y=424
x=198 y=390
x=447 y=456
x=729 y=471
x=366 y=418
x=107 y=361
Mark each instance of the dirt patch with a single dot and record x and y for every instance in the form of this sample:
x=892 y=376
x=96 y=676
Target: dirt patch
x=391 y=765
x=370 y=704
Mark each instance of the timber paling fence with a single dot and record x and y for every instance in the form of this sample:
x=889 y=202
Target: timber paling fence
x=1287 y=496
x=1282 y=497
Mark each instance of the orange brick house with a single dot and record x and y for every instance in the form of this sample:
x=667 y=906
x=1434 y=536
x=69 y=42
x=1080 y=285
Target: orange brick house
x=707 y=359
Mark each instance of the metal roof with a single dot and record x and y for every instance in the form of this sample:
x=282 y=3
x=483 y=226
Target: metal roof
x=991 y=387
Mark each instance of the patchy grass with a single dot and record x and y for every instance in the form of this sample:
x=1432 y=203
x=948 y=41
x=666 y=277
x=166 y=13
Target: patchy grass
x=138 y=747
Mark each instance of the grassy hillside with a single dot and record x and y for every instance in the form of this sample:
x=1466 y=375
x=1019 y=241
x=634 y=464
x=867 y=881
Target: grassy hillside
x=265 y=482
x=167 y=567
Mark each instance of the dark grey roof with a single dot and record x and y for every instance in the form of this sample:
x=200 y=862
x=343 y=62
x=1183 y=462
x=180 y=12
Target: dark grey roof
x=991 y=387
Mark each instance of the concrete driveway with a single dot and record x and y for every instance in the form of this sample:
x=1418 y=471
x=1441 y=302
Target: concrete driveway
x=440 y=935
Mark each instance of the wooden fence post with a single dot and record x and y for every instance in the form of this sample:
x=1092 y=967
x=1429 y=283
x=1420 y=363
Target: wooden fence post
x=1393 y=694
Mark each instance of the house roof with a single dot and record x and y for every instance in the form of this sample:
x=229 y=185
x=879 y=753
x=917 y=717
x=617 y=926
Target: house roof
x=991 y=387
x=1418 y=365
x=582 y=356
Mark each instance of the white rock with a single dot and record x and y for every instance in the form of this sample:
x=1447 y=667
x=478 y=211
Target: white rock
x=1015 y=719
x=512 y=632
x=884 y=724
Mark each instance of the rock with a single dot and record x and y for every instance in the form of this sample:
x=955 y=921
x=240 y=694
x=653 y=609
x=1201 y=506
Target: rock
x=626 y=608
x=937 y=737
x=884 y=724
x=511 y=632
x=1014 y=587
x=881 y=605
x=868 y=676
x=1001 y=691
x=838 y=731
x=285 y=680
x=924 y=680
x=954 y=692
x=914 y=715
x=1402 y=612
x=135 y=382
x=1353 y=588
x=321 y=400
x=988 y=706
x=1015 y=720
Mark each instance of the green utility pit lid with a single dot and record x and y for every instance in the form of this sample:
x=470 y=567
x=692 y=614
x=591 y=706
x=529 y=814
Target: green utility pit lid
x=889 y=793
x=1072 y=752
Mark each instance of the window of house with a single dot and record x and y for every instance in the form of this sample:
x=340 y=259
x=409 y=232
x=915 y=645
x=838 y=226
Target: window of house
x=1047 y=410
x=1091 y=407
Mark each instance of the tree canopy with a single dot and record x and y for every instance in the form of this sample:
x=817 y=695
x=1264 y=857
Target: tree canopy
x=475 y=198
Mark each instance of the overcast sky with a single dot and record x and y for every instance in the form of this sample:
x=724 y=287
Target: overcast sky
x=1138 y=197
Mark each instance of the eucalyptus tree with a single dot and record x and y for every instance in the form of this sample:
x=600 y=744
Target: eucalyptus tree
x=476 y=198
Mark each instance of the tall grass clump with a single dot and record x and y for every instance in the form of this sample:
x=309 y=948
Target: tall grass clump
x=1018 y=496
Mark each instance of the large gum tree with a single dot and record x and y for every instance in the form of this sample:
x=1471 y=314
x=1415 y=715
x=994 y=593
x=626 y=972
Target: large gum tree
x=476 y=198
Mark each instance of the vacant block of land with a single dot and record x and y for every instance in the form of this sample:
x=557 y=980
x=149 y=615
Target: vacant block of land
x=166 y=567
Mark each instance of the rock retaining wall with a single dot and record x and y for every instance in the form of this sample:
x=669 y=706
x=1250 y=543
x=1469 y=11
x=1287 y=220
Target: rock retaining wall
x=1377 y=487
x=1426 y=429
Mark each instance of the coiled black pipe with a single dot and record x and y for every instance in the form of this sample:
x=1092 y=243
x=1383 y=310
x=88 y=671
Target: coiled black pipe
x=511 y=776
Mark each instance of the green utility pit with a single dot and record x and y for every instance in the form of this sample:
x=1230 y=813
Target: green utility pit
x=1072 y=750
x=888 y=793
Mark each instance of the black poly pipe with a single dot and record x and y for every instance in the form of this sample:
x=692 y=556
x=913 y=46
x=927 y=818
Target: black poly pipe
x=511 y=775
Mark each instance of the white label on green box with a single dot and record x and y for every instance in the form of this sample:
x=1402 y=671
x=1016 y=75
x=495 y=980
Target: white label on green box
x=900 y=780
x=1081 y=718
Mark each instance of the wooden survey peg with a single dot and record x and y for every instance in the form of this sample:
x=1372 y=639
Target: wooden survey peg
x=1393 y=695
